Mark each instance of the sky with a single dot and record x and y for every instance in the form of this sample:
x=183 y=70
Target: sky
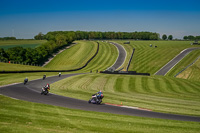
x=24 y=19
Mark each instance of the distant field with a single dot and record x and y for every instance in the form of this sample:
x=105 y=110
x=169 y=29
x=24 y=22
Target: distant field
x=23 y=43
x=74 y=57
x=150 y=59
x=162 y=94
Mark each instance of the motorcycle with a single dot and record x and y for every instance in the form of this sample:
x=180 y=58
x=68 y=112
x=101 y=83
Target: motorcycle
x=95 y=99
x=25 y=81
x=45 y=90
x=44 y=77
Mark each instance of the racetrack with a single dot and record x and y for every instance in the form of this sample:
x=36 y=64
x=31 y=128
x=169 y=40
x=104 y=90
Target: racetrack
x=31 y=92
x=164 y=70
x=121 y=58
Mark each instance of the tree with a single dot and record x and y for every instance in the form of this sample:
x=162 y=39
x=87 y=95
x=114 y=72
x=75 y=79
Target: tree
x=60 y=39
x=164 y=37
x=190 y=37
x=185 y=37
x=40 y=36
x=170 y=37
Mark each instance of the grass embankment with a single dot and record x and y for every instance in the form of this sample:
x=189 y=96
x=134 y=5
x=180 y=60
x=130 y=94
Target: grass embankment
x=18 y=67
x=162 y=94
x=5 y=44
x=78 y=55
x=74 y=57
x=19 y=77
x=191 y=73
x=105 y=58
x=148 y=59
x=21 y=116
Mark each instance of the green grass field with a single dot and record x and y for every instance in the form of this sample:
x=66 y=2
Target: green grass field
x=21 y=116
x=162 y=94
x=148 y=59
x=74 y=57
x=78 y=55
x=23 y=43
x=191 y=73
x=105 y=58
x=19 y=77
x=159 y=93
x=18 y=67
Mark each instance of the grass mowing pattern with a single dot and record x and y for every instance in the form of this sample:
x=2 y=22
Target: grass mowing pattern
x=21 y=116
x=192 y=72
x=22 y=43
x=148 y=59
x=162 y=94
x=129 y=50
x=19 y=77
x=74 y=57
x=18 y=67
x=105 y=58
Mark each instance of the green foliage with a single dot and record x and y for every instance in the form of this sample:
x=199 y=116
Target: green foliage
x=40 y=36
x=170 y=37
x=164 y=37
x=80 y=35
x=8 y=38
x=191 y=37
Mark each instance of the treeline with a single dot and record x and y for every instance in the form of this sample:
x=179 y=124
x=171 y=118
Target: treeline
x=190 y=37
x=80 y=35
x=38 y=55
x=7 y=38
x=58 y=39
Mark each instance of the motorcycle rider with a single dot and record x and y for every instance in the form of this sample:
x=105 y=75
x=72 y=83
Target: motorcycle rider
x=59 y=74
x=25 y=80
x=99 y=94
x=44 y=76
x=47 y=86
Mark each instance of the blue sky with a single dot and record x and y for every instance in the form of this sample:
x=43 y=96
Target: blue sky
x=26 y=18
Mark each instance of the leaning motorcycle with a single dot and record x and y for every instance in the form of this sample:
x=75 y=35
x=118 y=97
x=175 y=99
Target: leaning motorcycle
x=95 y=99
x=25 y=81
x=45 y=90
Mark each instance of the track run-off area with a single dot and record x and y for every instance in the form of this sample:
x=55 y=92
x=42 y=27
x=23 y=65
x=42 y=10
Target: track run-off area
x=31 y=92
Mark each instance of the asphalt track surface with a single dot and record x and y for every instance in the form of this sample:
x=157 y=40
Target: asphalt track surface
x=121 y=57
x=31 y=92
x=164 y=70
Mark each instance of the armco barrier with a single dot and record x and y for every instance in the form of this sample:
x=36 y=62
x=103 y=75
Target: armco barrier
x=125 y=72
x=32 y=71
x=130 y=59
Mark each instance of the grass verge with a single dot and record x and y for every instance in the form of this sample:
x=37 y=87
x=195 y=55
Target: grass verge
x=161 y=94
x=21 y=116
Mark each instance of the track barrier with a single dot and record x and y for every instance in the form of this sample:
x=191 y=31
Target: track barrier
x=32 y=71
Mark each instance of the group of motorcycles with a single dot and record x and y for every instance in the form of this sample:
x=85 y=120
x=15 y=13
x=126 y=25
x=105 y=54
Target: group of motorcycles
x=96 y=99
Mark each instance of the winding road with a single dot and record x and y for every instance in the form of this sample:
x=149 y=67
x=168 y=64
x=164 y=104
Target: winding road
x=164 y=70
x=31 y=92
x=121 y=56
